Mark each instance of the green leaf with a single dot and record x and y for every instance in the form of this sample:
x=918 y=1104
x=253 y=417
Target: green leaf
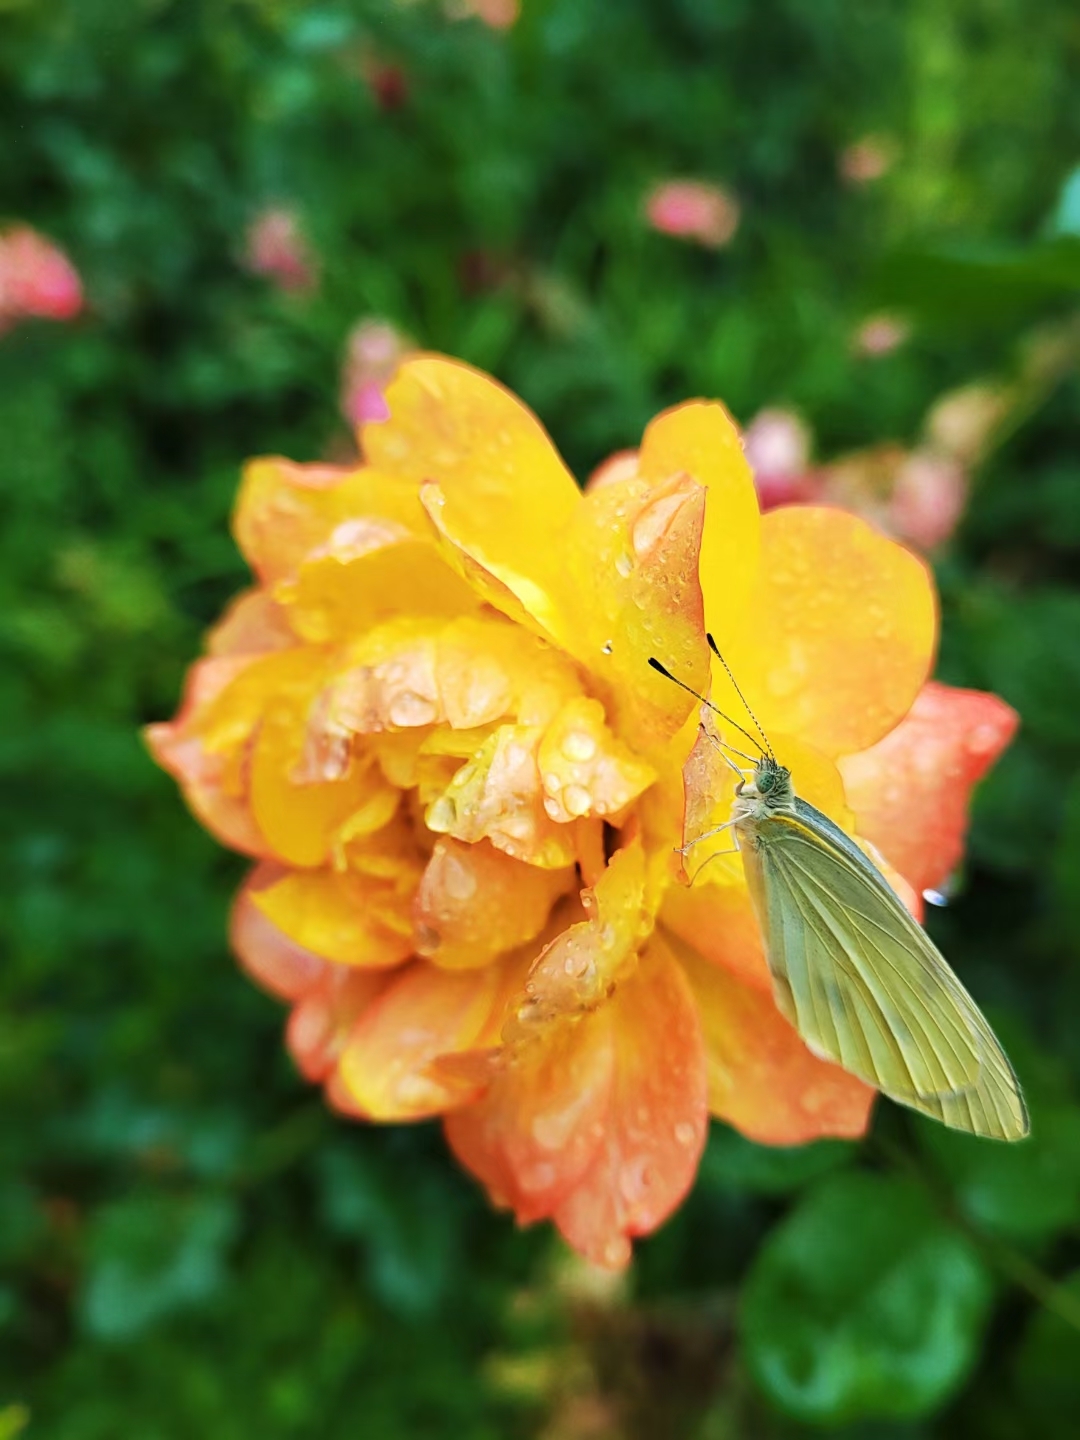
x=862 y=1303
x=731 y=1162
x=1047 y=1370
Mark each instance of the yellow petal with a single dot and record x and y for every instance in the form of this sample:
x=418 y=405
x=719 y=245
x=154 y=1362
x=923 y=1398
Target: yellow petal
x=347 y=918
x=585 y=770
x=701 y=439
x=424 y=1014
x=497 y=796
x=841 y=631
x=252 y=624
x=285 y=510
x=475 y=903
x=502 y=494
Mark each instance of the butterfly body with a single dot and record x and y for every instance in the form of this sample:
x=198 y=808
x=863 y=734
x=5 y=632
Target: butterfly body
x=856 y=974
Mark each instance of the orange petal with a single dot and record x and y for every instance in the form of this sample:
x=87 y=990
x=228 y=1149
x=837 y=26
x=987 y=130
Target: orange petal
x=578 y=969
x=910 y=792
x=762 y=1078
x=701 y=439
x=251 y=625
x=630 y=589
x=656 y=1120
x=497 y=796
x=272 y=960
x=841 y=633
x=500 y=492
x=425 y=1013
x=718 y=921
x=285 y=510
x=348 y=918
x=204 y=777
x=323 y=1018
x=369 y=570
x=474 y=903
x=585 y=770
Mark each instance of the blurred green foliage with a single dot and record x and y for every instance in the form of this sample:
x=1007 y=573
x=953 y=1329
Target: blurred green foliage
x=189 y=1244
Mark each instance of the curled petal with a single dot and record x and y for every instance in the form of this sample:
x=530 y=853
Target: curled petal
x=272 y=960
x=579 y=969
x=206 y=777
x=285 y=510
x=499 y=492
x=631 y=589
x=701 y=439
x=348 y=918
x=497 y=796
x=368 y=571
x=585 y=770
x=654 y=1129
x=762 y=1078
x=910 y=791
x=475 y=903
x=844 y=631
x=424 y=1014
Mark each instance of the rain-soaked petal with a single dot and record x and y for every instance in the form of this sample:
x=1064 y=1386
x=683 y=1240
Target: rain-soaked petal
x=493 y=480
x=842 y=634
x=324 y=1016
x=274 y=961
x=911 y=791
x=585 y=769
x=656 y=1119
x=474 y=903
x=252 y=624
x=348 y=918
x=285 y=510
x=762 y=1079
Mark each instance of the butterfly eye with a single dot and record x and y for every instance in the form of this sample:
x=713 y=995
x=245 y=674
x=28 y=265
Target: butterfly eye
x=765 y=782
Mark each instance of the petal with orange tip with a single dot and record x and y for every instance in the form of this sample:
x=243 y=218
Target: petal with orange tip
x=494 y=482
x=322 y=1019
x=272 y=960
x=841 y=631
x=701 y=439
x=346 y=918
x=425 y=1013
x=910 y=791
x=251 y=625
x=762 y=1078
x=285 y=510
x=204 y=776
x=654 y=1127
x=631 y=589
x=497 y=796
x=474 y=903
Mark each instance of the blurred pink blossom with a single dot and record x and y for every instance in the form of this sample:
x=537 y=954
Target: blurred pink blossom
x=36 y=279
x=880 y=335
x=914 y=495
x=277 y=248
x=777 y=444
x=373 y=352
x=693 y=210
x=867 y=159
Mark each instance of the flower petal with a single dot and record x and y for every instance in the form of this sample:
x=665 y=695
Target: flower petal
x=272 y=960
x=475 y=903
x=204 y=776
x=285 y=510
x=585 y=770
x=718 y=921
x=911 y=790
x=497 y=796
x=500 y=492
x=762 y=1078
x=348 y=918
x=425 y=1013
x=656 y=1121
x=323 y=1018
x=843 y=633
x=701 y=439
x=251 y=625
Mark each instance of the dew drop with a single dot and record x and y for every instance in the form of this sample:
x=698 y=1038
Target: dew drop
x=409 y=709
x=552 y=783
x=577 y=800
x=552 y=806
x=578 y=746
x=624 y=564
x=616 y=1252
x=428 y=938
x=458 y=880
x=607 y=647
x=685 y=1133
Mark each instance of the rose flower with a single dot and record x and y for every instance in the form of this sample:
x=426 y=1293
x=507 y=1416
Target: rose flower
x=433 y=725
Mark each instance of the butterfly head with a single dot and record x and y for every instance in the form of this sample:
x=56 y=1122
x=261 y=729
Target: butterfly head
x=770 y=788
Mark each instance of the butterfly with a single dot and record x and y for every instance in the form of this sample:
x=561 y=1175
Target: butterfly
x=852 y=970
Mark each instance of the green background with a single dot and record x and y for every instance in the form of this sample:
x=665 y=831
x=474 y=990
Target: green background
x=189 y=1244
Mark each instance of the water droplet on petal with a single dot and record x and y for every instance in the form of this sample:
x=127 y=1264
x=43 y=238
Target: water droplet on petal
x=578 y=746
x=409 y=709
x=685 y=1134
x=577 y=800
x=624 y=564
x=607 y=647
x=617 y=1251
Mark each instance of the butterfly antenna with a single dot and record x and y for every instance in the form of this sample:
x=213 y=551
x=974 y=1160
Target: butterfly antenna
x=663 y=670
x=716 y=651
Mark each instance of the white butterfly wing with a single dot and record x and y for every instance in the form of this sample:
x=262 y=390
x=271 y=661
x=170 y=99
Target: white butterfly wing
x=863 y=983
